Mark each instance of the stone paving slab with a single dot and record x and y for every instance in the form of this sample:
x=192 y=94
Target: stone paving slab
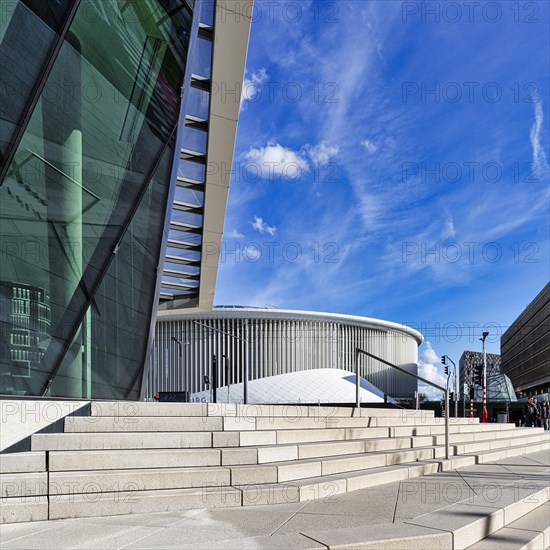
x=418 y=496
x=277 y=542
x=397 y=536
x=302 y=522
x=380 y=504
x=79 y=535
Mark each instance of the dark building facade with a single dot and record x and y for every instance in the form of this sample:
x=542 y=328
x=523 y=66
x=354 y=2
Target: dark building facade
x=98 y=102
x=525 y=347
x=471 y=359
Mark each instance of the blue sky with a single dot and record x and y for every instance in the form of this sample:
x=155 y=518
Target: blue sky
x=392 y=162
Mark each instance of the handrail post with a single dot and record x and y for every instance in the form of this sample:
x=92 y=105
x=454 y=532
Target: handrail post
x=357 y=384
x=440 y=388
x=447 y=425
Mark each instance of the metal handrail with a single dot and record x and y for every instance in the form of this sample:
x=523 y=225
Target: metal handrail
x=359 y=351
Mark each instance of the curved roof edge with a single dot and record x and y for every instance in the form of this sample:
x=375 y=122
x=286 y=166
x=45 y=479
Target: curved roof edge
x=253 y=313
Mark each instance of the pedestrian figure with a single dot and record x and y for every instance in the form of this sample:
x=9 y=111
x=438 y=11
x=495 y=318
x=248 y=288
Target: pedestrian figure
x=538 y=418
x=530 y=413
x=545 y=415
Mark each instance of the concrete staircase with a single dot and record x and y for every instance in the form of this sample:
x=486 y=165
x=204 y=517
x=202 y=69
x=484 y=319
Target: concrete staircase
x=129 y=458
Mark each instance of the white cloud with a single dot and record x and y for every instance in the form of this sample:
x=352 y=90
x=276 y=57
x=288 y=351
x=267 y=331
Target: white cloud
x=429 y=355
x=234 y=234
x=540 y=162
x=252 y=87
x=276 y=160
x=449 y=229
x=369 y=146
x=427 y=369
x=322 y=153
x=259 y=225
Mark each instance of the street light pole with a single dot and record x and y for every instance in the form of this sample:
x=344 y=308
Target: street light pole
x=456 y=391
x=246 y=359
x=484 y=413
x=228 y=377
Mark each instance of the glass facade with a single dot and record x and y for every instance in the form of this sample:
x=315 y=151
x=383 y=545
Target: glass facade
x=89 y=109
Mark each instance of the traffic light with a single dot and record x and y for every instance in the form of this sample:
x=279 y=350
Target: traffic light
x=451 y=396
x=472 y=393
x=446 y=369
x=443 y=357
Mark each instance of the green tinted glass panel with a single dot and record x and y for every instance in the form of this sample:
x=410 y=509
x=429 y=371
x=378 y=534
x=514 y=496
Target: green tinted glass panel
x=100 y=134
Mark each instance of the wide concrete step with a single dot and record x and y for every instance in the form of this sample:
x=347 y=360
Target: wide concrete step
x=137 y=409
x=23 y=484
x=435 y=428
x=90 y=424
x=482 y=457
x=11 y=463
x=531 y=531
x=312 y=427
x=184 y=440
x=105 y=481
x=491 y=444
x=24 y=509
x=60 y=461
x=276 y=437
x=144 y=440
x=110 y=424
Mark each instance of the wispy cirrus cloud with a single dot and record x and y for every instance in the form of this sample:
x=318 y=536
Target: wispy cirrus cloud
x=369 y=146
x=322 y=153
x=540 y=161
x=449 y=231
